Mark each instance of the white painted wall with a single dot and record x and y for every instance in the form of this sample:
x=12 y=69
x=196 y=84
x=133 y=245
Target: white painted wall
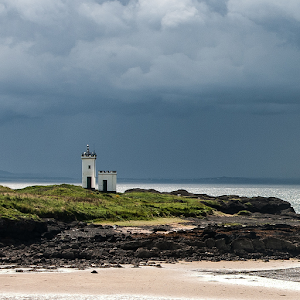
x=88 y=168
x=111 y=177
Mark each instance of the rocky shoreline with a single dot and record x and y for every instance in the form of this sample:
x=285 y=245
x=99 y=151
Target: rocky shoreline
x=271 y=230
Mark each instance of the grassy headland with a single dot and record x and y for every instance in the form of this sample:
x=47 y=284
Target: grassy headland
x=68 y=202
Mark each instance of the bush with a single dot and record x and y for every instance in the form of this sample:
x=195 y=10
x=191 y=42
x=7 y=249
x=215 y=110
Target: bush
x=244 y=213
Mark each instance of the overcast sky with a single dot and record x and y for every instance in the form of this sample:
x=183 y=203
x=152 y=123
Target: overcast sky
x=158 y=88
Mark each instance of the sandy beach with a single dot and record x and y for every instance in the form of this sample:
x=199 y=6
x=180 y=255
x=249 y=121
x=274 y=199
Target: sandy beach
x=183 y=280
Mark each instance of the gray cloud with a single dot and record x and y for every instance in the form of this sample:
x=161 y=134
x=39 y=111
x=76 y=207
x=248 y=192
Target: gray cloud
x=111 y=50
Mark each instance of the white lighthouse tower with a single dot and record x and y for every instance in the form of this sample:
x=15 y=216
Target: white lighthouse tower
x=88 y=169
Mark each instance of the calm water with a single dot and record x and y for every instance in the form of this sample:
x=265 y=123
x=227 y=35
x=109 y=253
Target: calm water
x=290 y=193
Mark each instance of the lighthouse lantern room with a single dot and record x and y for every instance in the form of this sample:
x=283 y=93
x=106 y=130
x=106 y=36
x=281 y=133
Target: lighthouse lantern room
x=88 y=169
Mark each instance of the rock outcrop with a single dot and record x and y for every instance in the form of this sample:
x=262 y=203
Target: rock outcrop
x=51 y=243
x=21 y=229
x=81 y=245
x=232 y=204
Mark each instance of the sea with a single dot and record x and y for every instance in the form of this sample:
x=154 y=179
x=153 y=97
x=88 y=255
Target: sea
x=290 y=193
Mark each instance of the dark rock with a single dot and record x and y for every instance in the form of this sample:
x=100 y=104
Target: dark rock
x=236 y=204
x=155 y=252
x=22 y=229
x=166 y=245
x=273 y=243
x=210 y=243
x=81 y=246
x=48 y=253
x=181 y=192
x=163 y=228
x=138 y=190
x=143 y=253
x=222 y=236
x=209 y=232
x=68 y=255
x=258 y=245
x=133 y=245
x=101 y=237
x=270 y=205
x=242 y=244
x=52 y=232
x=289 y=246
x=75 y=246
x=197 y=243
x=85 y=254
x=221 y=245
x=279 y=244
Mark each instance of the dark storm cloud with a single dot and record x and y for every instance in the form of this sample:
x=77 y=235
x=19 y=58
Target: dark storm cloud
x=225 y=54
x=163 y=88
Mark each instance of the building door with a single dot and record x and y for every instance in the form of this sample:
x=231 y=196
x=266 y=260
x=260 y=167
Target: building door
x=89 y=182
x=104 y=185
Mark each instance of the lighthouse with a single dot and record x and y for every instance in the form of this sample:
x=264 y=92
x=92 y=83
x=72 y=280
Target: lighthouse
x=88 y=169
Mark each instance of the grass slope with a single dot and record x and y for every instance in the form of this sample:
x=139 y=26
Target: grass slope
x=68 y=202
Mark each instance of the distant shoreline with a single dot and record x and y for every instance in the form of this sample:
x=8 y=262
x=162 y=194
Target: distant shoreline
x=13 y=177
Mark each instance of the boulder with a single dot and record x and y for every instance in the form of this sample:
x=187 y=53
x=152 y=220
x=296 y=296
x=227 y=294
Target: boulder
x=22 y=229
x=242 y=244
x=142 y=253
x=52 y=231
x=273 y=243
x=258 y=245
x=166 y=245
x=210 y=243
x=221 y=244
x=269 y=205
x=155 y=252
x=289 y=246
x=133 y=245
x=68 y=254
x=181 y=192
x=264 y=205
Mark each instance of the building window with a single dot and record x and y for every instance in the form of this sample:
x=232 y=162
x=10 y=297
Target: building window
x=89 y=166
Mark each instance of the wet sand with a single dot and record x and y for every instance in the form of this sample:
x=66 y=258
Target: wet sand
x=181 y=280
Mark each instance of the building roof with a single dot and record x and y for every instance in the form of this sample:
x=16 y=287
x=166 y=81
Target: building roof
x=88 y=153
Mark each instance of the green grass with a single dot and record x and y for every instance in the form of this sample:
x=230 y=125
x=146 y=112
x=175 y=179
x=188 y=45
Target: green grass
x=213 y=203
x=68 y=202
x=244 y=213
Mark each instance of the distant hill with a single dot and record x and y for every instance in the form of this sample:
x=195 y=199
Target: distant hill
x=216 y=180
x=8 y=176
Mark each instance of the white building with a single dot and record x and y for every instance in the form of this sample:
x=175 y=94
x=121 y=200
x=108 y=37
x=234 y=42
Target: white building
x=107 y=181
x=88 y=169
